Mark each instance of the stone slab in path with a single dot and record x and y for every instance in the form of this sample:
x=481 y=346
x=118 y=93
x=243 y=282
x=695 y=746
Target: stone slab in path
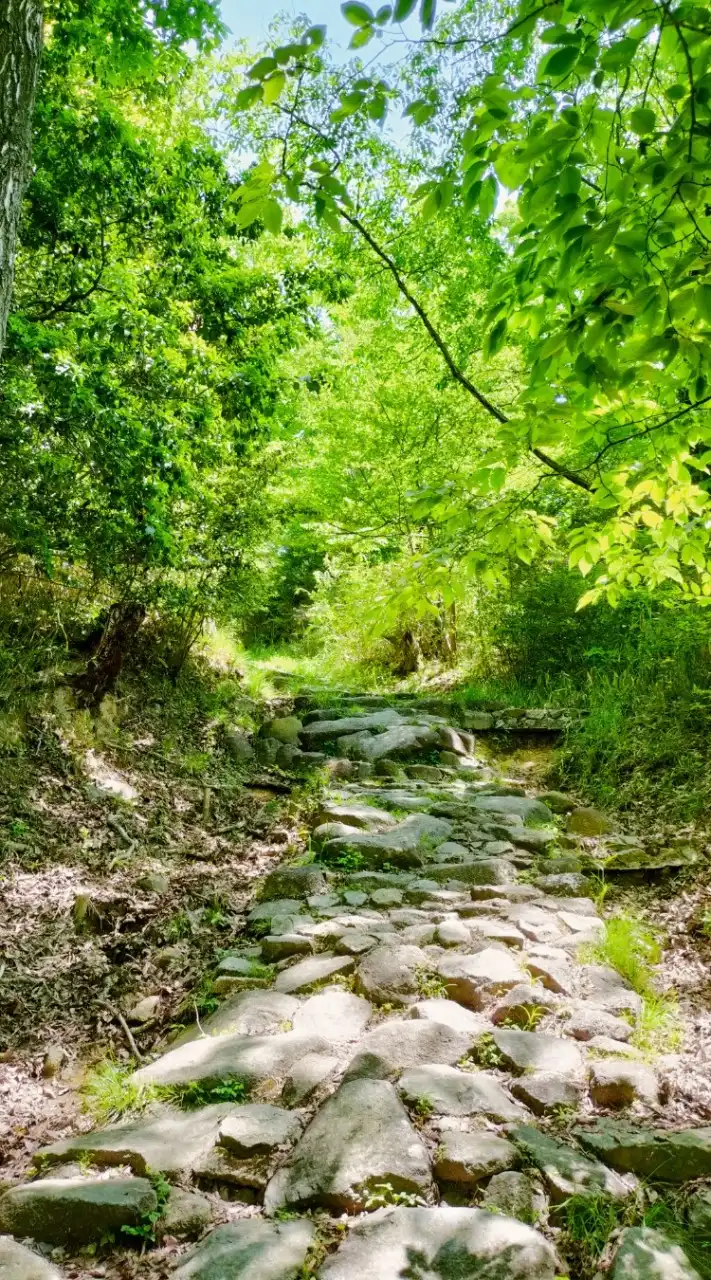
x=250 y=1250
x=360 y=1138
x=646 y=1254
x=75 y=1211
x=393 y=1243
x=665 y=1155
x=250 y=1013
x=459 y=1093
x=535 y=1051
x=169 y=1141
x=400 y=1043
x=466 y=1158
x=566 y=1171
x=334 y=1014
x=307 y=973
x=252 y=1059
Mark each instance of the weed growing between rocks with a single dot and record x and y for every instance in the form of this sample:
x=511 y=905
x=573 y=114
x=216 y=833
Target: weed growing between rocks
x=111 y=1092
x=631 y=948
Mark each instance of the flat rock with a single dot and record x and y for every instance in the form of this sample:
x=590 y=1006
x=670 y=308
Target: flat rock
x=566 y=1171
x=535 y=1051
x=544 y=1094
x=275 y=907
x=250 y=1250
x=402 y=741
x=400 y=1043
x=498 y=931
x=442 y=1242
x=666 y=1155
x=308 y=973
x=185 y=1217
x=333 y=1014
x=646 y=1254
x=280 y=946
x=466 y=1158
x=618 y=1084
x=483 y=871
x=325 y=730
x=388 y=973
x=252 y=1059
x=75 y=1211
x=404 y=845
x=360 y=1138
x=605 y=988
x=452 y=1015
x=366 y=817
x=518 y=806
x=469 y=979
x=19 y=1263
x=558 y=801
x=555 y=975
x=587 y=1021
x=169 y=1141
x=563 y=883
x=453 y=933
x=459 y=1093
x=251 y=1013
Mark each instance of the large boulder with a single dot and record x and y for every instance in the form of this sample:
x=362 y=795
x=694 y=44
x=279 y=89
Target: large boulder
x=587 y=821
x=250 y=1250
x=443 y=1242
x=360 y=1139
x=75 y=1211
x=405 y=845
x=292 y=883
x=646 y=1254
x=365 y=817
x=169 y=1141
x=328 y=730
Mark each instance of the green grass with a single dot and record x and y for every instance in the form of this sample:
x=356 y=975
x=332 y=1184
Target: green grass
x=110 y=1092
x=198 y=1093
x=659 y=1027
x=629 y=946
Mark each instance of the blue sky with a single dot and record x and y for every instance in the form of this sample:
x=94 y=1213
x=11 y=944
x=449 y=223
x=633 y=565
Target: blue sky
x=250 y=18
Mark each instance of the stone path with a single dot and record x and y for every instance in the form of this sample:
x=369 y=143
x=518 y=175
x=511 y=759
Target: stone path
x=412 y=1072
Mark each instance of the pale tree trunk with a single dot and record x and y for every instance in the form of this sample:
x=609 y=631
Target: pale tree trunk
x=20 y=45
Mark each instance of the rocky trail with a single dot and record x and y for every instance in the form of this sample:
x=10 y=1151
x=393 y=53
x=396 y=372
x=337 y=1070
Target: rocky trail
x=420 y=1068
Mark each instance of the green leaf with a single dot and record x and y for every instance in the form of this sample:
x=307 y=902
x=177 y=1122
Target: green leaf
x=247 y=97
x=272 y=216
x=427 y=13
x=359 y=15
x=315 y=36
x=403 y=9
x=619 y=55
x=487 y=198
x=384 y=14
x=560 y=63
x=262 y=68
x=361 y=37
x=274 y=86
x=703 y=302
x=643 y=120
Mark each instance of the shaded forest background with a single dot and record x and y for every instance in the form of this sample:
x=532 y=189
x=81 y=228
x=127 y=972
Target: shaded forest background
x=228 y=438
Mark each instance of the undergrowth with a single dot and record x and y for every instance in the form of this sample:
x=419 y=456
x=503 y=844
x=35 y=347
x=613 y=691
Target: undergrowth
x=631 y=948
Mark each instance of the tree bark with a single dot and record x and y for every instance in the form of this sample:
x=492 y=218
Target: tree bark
x=20 y=47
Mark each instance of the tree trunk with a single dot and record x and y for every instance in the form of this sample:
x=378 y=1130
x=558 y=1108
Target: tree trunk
x=122 y=626
x=20 y=46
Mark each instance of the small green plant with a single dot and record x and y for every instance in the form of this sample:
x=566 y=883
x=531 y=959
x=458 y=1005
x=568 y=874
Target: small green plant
x=528 y=1017
x=18 y=827
x=198 y=1093
x=146 y=1229
x=111 y=1091
x=423 y=1108
x=383 y=1193
x=349 y=861
x=630 y=947
x=429 y=984
x=179 y=926
x=659 y=1028
x=589 y=1221
x=486 y=1053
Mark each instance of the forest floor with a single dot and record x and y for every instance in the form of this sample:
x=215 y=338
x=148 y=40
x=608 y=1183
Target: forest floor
x=130 y=849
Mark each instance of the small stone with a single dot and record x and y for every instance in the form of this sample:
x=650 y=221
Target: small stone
x=452 y=933
x=469 y=979
x=387 y=897
x=307 y=973
x=566 y=882
x=251 y=1249
x=354 y=943
x=555 y=975
x=587 y=1022
x=355 y=897
x=359 y=1138
x=425 y=772
x=544 y=1093
x=516 y=1195
x=145 y=1009
x=452 y=851
x=257 y=1128
x=293 y=883
x=498 y=931
x=279 y=946
x=619 y=1084
x=615 y=1048
x=647 y=1254
x=185 y=1217
x=587 y=821
x=459 y=1093
x=535 y=1051
x=229 y=984
x=238 y=744
x=54 y=1059
x=388 y=974
x=153 y=882
x=466 y=1158
x=523 y=1004
x=451 y=1014
x=581 y=924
